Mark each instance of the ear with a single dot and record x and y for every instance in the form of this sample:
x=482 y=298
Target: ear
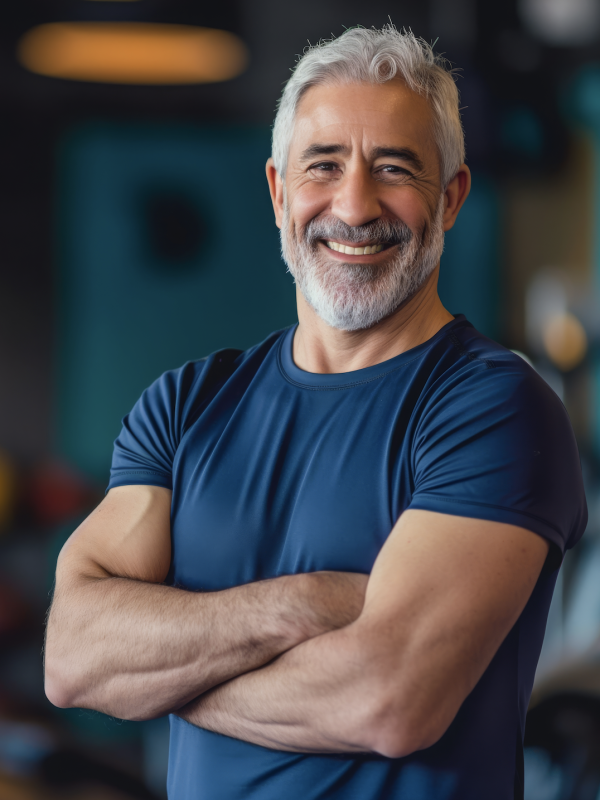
x=276 y=190
x=456 y=193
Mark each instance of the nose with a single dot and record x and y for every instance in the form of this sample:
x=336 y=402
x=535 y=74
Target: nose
x=356 y=200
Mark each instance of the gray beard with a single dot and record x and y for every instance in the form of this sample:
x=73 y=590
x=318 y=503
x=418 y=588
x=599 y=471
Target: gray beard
x=351 y=296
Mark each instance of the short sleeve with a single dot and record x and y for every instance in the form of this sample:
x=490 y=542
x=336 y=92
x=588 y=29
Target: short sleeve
x=145 y=449
x=497 y=444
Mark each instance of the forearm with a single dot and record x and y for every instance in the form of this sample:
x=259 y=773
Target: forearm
x=138 y=650
x=314 y=698
x=393 y=681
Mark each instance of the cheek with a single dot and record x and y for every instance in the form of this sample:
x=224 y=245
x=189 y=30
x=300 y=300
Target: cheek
x=411 y=209
x=308 y=202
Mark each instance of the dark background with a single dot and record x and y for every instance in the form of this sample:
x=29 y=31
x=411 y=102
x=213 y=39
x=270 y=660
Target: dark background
x=136 y=232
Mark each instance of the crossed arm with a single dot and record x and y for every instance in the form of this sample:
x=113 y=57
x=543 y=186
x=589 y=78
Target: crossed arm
x=296 y=663
x=120 y=642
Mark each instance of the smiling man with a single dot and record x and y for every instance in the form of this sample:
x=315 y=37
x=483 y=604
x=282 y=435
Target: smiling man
x=331 y=557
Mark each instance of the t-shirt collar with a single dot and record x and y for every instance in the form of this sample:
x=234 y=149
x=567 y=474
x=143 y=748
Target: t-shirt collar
x=339 y=380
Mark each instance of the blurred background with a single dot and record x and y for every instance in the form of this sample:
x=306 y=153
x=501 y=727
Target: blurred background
x=136 y=233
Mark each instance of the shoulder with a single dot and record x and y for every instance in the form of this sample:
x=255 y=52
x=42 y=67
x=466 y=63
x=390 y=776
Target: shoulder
x=478 y=388
x=179 y=394
x=474 y=372
x=492 y=436
x=464 y=345
x=151 y=433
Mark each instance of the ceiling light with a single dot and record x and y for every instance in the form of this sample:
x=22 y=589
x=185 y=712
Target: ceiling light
x=132 y=52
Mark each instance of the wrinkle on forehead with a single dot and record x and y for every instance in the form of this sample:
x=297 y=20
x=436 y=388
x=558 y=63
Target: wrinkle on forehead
x=367 y=116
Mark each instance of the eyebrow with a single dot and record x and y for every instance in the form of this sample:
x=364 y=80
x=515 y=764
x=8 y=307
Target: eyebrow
x=401 y=153
x=323 y=150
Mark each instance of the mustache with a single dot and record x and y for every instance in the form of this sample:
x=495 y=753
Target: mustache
x=380 y=231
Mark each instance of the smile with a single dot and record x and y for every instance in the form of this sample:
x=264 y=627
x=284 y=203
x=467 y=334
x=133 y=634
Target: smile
x=355 y=251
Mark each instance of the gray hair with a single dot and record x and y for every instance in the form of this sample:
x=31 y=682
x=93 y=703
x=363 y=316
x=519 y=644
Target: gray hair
x=376 y=56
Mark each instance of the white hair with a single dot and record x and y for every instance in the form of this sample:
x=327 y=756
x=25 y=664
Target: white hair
x=375 y=56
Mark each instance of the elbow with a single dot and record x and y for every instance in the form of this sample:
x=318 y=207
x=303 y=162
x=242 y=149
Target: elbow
x=67 y=686
x=399 y=743
x=396 y=728
x=56 y=696
x=60 y=676
x=57 y=690
x=59 y=683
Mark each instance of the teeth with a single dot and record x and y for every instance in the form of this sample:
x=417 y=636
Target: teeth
x=355 y=251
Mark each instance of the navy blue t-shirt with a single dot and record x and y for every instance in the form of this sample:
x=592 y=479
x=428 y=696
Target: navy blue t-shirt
x=277 y=471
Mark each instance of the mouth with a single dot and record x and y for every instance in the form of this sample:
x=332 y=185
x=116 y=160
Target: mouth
x=355 y=250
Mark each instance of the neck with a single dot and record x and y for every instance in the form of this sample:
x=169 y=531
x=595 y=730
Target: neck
x=320 y=348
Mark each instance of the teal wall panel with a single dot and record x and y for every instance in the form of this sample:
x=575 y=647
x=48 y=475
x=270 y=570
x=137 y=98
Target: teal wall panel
x=127 y=312
x=469 y=282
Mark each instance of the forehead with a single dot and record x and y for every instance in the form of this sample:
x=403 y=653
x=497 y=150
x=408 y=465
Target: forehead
x=366 y=115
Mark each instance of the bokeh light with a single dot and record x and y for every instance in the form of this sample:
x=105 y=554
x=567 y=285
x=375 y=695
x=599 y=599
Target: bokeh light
x=565 y=341
x=132 y=52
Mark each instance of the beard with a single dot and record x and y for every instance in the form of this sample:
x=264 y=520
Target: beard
x=356 y=296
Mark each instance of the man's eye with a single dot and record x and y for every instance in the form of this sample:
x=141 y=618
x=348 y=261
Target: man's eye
x=324 y=166
x=394 y=169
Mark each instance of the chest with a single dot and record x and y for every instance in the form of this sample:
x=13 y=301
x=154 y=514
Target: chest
x=288 y=481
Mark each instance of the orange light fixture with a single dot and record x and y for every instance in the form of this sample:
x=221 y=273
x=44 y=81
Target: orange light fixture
x=132 y=53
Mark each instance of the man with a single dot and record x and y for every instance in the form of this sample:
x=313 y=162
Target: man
x=331 y=557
